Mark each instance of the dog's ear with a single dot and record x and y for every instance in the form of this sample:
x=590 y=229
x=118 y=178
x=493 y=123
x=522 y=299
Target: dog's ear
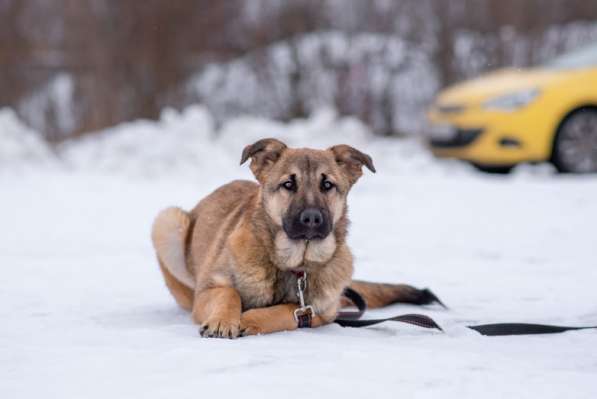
x=263 y=154
x=351 y=161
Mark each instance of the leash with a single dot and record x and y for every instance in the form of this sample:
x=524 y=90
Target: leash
x=352 y=319
x=303 y=315
x=500 y=329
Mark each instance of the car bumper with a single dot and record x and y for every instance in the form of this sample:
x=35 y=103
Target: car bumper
x=489 y=138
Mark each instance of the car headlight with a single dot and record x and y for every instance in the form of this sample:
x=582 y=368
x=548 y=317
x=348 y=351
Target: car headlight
x=512 y=101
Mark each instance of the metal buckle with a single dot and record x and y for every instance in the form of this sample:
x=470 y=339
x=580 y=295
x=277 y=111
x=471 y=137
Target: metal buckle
x=303 y=311
x=304 y=314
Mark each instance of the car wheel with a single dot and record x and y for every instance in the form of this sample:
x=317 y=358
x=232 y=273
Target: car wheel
x=575 y=146
x=496 y=170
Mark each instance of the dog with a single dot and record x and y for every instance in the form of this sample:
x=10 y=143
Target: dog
x=234 y=260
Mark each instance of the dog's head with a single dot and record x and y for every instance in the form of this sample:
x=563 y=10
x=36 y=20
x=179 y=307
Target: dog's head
x=304 y=191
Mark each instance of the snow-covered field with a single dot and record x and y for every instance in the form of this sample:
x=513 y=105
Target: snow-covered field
x=85 y=313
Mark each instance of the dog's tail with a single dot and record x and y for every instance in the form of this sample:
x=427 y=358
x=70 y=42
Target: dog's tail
x=169 y=236
x=378 y=295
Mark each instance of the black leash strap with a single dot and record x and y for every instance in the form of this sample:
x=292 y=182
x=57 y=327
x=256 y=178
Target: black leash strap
x=499 y=329
x=415 y=319
x=352 y=319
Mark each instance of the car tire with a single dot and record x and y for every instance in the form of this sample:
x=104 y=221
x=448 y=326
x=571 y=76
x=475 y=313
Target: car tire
x=575 y=144
x=495 y=170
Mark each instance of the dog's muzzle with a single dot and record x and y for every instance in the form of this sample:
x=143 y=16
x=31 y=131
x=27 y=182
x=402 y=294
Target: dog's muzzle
x=308 y=224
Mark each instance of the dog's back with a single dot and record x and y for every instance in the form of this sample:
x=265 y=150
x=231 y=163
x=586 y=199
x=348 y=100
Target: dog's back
x=216 y=216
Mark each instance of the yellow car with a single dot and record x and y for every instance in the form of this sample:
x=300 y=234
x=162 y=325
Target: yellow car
x=547 y=113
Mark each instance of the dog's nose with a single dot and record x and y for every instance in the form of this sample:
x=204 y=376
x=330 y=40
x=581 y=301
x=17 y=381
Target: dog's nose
x=311 y=218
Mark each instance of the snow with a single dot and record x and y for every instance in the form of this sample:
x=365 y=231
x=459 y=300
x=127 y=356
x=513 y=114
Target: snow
x=20 y=146
x=85 y=312
x=52 y=105
x=188 y=143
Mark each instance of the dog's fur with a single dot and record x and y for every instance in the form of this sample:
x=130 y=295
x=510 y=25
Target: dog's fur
x=230 y=259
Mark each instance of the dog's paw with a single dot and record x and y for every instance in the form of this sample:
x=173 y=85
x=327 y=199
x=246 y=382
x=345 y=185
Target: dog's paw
x=220 y=328
x=249 y=325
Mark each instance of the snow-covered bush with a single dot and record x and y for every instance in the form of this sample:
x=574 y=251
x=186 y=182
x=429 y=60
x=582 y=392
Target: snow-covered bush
x=382 y=79
x=20 y=146
x=188 y=143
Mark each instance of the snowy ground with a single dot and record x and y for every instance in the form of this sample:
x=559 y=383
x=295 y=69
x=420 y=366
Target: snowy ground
x=85 y=313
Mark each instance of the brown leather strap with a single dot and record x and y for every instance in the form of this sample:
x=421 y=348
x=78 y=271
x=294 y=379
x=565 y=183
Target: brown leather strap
x=304 y=321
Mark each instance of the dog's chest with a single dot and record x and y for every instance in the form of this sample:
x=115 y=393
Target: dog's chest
x=260 y=290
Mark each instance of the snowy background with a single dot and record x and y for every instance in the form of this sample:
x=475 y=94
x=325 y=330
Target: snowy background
x=100 y=128
x=85 y=312
x=70 y=68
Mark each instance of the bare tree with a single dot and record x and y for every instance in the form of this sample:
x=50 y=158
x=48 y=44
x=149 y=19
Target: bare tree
x=73 y=66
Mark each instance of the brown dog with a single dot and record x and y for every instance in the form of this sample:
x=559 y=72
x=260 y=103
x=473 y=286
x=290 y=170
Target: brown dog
x=235 y=259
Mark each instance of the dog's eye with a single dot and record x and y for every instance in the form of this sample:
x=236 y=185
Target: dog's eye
x=290 y=185
x=326 y=185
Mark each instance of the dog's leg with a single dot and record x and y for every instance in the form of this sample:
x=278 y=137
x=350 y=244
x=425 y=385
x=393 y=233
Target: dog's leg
x=378 y=295
x=217 y=311
x=278 y=318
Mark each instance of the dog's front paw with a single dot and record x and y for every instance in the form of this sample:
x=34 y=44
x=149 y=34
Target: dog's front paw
x=220 y=328
x=249 y=324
